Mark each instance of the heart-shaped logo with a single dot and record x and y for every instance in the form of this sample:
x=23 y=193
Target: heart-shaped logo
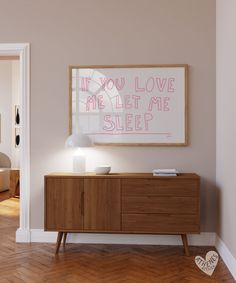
x=207 y=265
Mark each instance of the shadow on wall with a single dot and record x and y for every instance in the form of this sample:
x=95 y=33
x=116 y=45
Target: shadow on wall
x=219 y=211
x=209 y=205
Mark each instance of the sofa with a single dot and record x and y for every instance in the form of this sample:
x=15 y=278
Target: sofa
x=5 y=167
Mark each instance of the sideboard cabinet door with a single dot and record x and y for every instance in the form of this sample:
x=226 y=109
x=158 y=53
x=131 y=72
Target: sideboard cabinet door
x=63 y=204
x=102 y=205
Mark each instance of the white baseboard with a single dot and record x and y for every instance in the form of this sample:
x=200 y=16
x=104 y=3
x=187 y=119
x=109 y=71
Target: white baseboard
x=22 y=236
x=203 y=239
x=226 y=255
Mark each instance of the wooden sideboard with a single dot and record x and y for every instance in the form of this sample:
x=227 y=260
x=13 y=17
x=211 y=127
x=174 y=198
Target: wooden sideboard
x=122 y=203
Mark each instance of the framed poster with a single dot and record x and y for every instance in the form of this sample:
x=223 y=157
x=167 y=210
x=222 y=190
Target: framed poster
x=130 y=104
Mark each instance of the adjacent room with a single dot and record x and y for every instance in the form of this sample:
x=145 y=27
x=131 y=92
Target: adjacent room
x=116 y=145
x=9 y=127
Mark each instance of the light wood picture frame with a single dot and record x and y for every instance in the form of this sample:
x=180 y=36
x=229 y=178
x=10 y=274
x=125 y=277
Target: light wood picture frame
x=130 y=105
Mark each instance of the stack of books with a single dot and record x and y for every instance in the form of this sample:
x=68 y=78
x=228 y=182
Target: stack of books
x=165 y=172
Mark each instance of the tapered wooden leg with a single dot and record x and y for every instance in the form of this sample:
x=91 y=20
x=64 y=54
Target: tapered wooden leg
x=64 y=239
x=59 y=237
x=185 y=244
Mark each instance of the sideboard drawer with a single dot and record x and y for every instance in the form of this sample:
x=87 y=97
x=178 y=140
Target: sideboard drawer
x=160 y=187
x=160 y=204
x=160 y=223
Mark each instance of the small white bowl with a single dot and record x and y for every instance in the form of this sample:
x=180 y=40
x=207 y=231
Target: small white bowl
x=103 y=170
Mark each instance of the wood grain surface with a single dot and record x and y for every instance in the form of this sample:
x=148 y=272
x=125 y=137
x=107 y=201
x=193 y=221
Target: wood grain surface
x=102 y=205
x=93 y=263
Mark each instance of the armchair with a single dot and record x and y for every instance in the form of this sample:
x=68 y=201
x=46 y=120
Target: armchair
x=5 y=167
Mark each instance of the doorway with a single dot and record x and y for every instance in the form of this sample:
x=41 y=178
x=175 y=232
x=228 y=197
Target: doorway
x=10 y=127
x=21 y=51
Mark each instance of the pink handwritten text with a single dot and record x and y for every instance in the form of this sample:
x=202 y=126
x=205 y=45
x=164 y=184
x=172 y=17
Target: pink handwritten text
x=110 y=83
x=154 y=84
x=127 y=122
x=128 y=101
x=160 y=103
x=94 y=102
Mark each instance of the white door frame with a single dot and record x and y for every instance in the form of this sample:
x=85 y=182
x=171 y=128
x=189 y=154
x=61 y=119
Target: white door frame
x=23 y=51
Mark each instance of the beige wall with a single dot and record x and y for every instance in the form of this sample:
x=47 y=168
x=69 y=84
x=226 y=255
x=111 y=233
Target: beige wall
x=63 y=32
x=226 y=117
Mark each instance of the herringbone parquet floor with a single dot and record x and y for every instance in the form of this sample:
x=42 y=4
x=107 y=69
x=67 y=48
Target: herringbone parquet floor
x=37 y=263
